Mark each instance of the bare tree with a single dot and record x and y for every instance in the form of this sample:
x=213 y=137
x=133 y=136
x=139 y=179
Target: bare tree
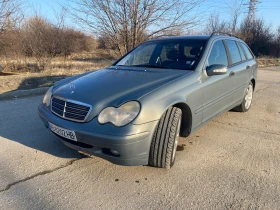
x=214 y=24
x=235 y=9
x=10 y=14
x=43 y=40
x=258 y=35
x=231 y=12
x=38 y=39
x=126 y=23
x=70 y=40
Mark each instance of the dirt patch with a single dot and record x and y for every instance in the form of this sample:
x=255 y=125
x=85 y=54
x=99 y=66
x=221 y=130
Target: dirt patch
x=23 y=82
x=6 y=74
x=181 y=147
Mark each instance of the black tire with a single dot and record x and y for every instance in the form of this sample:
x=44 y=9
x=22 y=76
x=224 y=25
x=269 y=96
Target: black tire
x=242 y=107
x=165 y=139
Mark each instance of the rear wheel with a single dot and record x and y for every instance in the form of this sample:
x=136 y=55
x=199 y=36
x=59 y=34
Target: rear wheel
x=247 y=101
x=165 y=139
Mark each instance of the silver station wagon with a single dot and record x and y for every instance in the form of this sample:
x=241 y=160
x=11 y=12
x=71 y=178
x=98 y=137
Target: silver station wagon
x=133 y=112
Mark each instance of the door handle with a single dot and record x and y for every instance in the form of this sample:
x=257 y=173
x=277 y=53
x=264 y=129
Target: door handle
x=248 y=67
x=231 y=74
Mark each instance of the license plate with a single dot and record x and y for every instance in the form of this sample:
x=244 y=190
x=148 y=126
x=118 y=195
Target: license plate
x=68 y=134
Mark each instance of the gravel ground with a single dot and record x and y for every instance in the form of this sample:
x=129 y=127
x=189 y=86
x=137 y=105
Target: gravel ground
x=231 y=163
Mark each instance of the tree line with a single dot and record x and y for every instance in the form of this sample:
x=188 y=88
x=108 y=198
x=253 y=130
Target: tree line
x=40 y=39
x=122 y=25
x=259 y=35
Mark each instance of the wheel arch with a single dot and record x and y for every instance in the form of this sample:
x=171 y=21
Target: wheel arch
x=186 y=124
x=254 y=83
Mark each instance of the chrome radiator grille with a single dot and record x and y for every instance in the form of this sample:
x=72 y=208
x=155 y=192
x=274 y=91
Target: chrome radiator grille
x=70 y=110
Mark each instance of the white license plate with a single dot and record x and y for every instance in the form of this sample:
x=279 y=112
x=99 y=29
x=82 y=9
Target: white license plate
x=63 y=132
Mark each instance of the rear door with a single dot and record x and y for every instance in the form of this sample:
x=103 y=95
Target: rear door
x=251 y=63
x=239 y=67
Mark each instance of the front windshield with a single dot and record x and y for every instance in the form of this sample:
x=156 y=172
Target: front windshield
x=170 y=54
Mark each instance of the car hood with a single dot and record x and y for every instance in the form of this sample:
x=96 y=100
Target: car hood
x=113 y=86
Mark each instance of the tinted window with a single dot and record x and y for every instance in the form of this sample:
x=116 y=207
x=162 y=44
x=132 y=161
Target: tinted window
x=241 y=53
x=184 y=53
x=218 y=54
x=172 y=48
x=233 y=51
x=247 y=51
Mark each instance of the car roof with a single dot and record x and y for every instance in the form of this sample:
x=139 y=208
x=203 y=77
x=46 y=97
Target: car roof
x=197 y=37
x=194 y=37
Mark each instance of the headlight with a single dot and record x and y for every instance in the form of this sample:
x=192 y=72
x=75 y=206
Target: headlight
x=47 y=97
x=120 y=116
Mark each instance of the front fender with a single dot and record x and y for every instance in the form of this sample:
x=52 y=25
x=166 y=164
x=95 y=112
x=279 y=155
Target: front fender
x=187 y=90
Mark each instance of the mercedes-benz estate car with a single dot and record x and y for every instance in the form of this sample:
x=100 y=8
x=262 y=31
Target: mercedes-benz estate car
x=133 y=112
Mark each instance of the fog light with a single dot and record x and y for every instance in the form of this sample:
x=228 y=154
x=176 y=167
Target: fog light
x=114 y=152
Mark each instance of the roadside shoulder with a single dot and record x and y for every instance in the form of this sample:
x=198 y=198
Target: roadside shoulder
x=23 y=93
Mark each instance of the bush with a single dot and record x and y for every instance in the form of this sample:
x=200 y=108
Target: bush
x=258 y=36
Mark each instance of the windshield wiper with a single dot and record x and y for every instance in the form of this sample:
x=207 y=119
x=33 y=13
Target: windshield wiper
x=151 y=66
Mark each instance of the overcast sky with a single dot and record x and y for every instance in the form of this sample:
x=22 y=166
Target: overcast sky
x=269 y=10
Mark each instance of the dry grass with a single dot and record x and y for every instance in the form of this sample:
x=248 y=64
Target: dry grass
x=79 y=63
x=74 y=64
x=72 y=67
x=268 y=61
x=27 y=73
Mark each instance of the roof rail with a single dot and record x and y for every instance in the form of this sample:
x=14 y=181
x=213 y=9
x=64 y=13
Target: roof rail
x=224 y=33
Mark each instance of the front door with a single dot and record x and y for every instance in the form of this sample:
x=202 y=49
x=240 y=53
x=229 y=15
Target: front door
x=218 y=89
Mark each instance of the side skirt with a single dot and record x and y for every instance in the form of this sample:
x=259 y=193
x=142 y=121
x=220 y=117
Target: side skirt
x=226 y=110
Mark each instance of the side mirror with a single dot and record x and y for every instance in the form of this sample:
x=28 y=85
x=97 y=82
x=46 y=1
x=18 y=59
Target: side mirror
x=216 y=69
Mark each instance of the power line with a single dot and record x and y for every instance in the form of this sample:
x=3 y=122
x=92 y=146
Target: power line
x=268 y=7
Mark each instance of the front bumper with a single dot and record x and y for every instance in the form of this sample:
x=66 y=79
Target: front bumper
x=132 y=142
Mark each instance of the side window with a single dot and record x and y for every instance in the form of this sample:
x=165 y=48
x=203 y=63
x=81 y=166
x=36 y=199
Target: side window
x=218 y=54
x=247 y=51
x=241 y=52
x=233 y=51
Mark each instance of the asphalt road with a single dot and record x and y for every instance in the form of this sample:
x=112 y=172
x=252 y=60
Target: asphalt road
x=231 y=163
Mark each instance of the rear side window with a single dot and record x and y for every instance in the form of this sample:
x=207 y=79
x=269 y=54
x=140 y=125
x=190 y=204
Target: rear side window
x=241 y=52
x=218 y=54
x=247 y=51
x=233 y=51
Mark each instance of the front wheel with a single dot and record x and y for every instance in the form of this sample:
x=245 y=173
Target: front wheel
x=165 y=139
x=247 y=101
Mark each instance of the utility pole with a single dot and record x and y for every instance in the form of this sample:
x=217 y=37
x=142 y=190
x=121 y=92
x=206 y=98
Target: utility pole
x=252 y=7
